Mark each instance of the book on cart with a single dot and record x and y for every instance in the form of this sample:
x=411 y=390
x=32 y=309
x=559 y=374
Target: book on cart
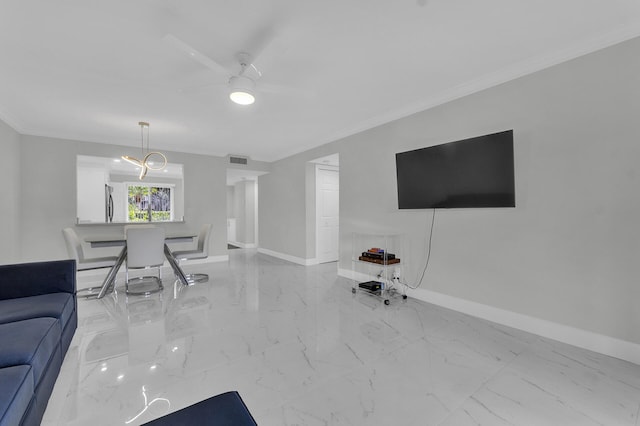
x=380 y=261
x=378 y=255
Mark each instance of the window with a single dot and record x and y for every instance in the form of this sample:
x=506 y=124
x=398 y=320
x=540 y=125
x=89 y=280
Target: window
x=97 y=203
x=149 y=202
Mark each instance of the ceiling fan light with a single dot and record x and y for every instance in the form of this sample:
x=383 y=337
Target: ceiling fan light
x=242 y=90
x=242 y=97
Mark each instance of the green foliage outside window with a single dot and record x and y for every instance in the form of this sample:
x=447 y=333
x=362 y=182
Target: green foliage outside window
x=144 y=200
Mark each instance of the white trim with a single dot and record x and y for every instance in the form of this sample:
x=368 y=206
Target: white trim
x=509 y=73
x=210 y=259
x=16 y=125
x=288 y=257
x=596 y=342
x=243 y=245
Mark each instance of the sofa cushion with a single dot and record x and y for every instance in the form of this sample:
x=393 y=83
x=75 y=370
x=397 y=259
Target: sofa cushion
x=16 y=391
x=29 y=342
x=35 y=278
x=54 y=305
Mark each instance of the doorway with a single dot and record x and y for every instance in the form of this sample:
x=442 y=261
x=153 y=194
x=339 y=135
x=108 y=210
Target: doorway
x=327 y=209
x=242 y=208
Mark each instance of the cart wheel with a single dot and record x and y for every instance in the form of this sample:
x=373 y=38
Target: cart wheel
x=353 y=290
x=386 y=301
x=404 y=296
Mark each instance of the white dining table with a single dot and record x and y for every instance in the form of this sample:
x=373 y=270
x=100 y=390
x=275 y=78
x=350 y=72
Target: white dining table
x=120 y=241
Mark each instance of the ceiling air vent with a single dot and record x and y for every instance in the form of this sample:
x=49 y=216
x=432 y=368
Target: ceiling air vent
x=237 y=160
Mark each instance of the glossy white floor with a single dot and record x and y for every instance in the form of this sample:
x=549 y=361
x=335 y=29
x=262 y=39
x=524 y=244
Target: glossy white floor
x=302 y=350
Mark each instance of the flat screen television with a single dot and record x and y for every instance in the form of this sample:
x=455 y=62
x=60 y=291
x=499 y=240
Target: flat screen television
x=475 y=172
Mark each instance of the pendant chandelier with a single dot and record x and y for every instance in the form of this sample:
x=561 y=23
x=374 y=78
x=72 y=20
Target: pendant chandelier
x=144 y=164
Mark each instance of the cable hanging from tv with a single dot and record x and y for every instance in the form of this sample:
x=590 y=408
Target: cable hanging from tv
x=428 y=247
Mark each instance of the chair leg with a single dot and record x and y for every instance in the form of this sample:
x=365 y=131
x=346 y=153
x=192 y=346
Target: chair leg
x=158 y=280
x=92 y=292
x=195 y=278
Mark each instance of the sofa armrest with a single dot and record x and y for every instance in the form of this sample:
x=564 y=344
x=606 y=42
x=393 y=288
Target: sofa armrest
x=35 y=278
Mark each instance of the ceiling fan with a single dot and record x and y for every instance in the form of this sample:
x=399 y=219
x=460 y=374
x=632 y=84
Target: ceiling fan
x=242 y=84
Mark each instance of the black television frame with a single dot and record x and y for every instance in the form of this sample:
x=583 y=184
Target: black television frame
x=476 y=172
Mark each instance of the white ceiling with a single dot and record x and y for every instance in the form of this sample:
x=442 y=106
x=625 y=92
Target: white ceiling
x=91 y=69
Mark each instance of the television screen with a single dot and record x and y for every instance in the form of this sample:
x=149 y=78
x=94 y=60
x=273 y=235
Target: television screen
x=475 y=172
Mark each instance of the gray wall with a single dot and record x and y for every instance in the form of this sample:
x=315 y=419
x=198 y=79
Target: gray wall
x=244 y=210
x=568 y=252
x=282 y=212
x=249 y=218
x=47 y=184
x=230 y=199
x=10 y=195
x=239 y=210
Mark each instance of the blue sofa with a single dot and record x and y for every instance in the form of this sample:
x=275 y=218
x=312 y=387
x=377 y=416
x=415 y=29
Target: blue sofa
x=38 y=317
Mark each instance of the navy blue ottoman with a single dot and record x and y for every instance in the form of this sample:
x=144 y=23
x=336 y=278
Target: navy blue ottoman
x=226 y=409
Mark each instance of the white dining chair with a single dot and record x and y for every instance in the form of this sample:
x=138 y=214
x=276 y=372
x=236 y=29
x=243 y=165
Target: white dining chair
x=76 y=252
x=201 y=252
x=145 y=250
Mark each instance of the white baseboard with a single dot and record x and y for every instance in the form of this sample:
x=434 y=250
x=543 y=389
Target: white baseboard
x=595 y=342
x=243 y=245
x=210 y=259
x=288 y=257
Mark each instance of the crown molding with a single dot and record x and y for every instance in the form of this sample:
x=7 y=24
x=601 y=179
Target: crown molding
x=520 y=69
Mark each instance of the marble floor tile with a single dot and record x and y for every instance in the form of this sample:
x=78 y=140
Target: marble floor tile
x=303 y=350
x=551 y=383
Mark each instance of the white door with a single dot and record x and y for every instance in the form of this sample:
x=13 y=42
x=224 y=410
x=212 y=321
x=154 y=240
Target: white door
x=327 y=213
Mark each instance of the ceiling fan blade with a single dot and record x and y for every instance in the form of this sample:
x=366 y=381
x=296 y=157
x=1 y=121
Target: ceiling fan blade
x=203 y=88
x=284 y=90
x=195 y=54
x=270 y=54
x=263 y=49
x=260 y=41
